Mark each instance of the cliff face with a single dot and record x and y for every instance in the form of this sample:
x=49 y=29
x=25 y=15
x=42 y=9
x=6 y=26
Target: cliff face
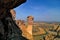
x=8 y=28
x=11 y=3
x=6 y=5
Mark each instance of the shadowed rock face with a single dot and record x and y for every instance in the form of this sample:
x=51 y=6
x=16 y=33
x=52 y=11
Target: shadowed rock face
x=8 y=28
x=6 y=5
x=11 y=3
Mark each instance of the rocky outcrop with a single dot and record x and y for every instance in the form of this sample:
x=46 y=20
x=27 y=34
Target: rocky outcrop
x=8 y=28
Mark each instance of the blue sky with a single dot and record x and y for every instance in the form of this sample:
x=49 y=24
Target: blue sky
x=42 y=10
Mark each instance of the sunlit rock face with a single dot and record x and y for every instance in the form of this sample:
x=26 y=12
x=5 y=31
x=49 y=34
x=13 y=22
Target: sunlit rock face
x=8 y=28
x=13 y=13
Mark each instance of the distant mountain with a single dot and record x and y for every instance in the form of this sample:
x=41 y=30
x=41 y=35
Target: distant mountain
x=47 y=22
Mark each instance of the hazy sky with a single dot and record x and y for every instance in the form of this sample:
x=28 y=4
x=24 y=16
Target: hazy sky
x=42 y=10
